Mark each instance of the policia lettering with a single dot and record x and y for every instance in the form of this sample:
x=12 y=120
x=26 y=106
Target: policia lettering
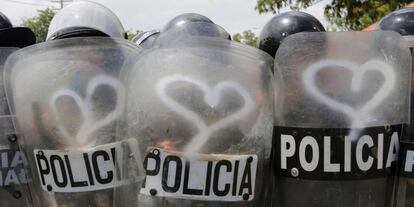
x=12 y=168
x=200 y=177
x=79 y=171
x=325 y=154
x=407 y=160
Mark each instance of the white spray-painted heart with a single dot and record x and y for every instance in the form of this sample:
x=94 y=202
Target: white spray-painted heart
x=88 y=124
x=357 y=116
x=212 y=97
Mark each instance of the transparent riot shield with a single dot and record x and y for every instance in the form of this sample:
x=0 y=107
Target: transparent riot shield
x=67 y=98
x=344 y=108
x=405 y=193
x=201 y=112
x=13 y=181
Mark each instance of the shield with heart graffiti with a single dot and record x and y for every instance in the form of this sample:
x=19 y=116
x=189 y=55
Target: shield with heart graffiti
x=344 y=109
x=405 y=190
x=201 y=111
x=13 y=180
x=68 y=98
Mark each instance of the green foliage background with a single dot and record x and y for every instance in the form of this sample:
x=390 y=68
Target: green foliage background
x=343 y=14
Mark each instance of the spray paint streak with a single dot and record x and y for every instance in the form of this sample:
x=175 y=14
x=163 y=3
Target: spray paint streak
x=358 y=117
x=88 y=124
x=212 y=98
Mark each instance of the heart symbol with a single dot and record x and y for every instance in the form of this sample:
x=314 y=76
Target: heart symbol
x=212 y=98
x=88 y=124
x=356 y=115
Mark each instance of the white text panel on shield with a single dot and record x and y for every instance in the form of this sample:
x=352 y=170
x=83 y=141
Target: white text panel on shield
x=200 y=177
x=80 y=170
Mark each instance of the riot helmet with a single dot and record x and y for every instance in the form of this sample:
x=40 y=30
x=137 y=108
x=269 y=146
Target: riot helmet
x=146 y=39
x=4 y=21
x=191 y=30
x=283 y=25
x=401 y=21
x=14 y=36
x=185 y=18
x=195 y=25
x=85 y=18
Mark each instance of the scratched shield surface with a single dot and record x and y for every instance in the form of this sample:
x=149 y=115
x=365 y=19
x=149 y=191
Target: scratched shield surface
x=344 y=107
x=405 y=193
x=13 y=180
x=67 y=97
x=201 y=110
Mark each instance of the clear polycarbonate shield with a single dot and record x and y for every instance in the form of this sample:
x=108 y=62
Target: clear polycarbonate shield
x=67 y=99
x=405 y=193
x=13 y=180
x=201 y=112
x=343 y=109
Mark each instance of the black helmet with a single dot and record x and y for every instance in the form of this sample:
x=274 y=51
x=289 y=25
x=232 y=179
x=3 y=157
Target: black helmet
x=4 y=22
x=189 y=30
x=191 y=24
x=14 y=36
x=401 y=21
x=84 y=18
x=146 y=39
x=283 y=25
x=185 y=18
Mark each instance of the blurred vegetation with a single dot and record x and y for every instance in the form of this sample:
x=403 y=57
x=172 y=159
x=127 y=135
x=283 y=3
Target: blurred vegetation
x=247 y=37
x=40 y=23
x=343 y=14
x=132 y=34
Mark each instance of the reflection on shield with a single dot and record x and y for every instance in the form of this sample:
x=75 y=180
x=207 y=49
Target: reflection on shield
x=343 y=112
x=13 y=180
x=201 y=110
x=67 y=99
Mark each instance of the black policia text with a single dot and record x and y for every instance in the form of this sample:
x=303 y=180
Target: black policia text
x=212 y=177
x=340 y=154
x=70 y=171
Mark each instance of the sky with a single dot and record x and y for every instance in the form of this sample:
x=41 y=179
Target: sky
x=234 y=15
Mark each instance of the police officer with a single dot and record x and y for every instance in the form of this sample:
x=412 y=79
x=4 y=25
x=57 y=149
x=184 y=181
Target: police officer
x=283 y=25
x=204 y=97
x=402 y=21
x=75 y=113
x=14 y=191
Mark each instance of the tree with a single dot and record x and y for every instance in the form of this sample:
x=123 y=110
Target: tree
x=132 y=34
x=40 y=23
x=345 y=14
x=247 y=37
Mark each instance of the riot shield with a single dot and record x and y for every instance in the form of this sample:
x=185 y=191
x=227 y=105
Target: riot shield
x=67 y=98
x=13 y=181
x=344 y=109
x=201 y=110
x=405 y=193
